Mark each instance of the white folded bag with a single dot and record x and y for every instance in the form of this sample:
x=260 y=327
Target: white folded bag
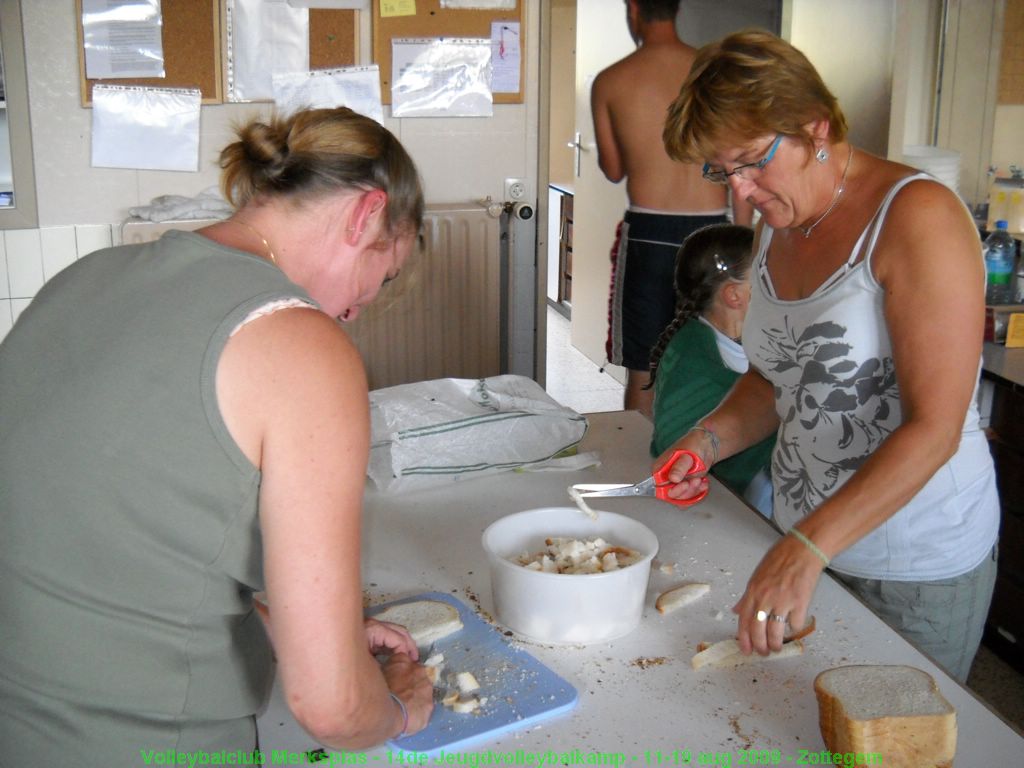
x=430 y=433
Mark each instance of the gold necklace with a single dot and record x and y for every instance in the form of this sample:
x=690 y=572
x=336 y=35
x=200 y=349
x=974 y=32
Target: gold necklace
x=835 y=198
x=270 y=251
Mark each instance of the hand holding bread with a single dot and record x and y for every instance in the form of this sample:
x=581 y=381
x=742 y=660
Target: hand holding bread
x=410 y=682
x=412 y=624
x=778 y=594
x=387 y=638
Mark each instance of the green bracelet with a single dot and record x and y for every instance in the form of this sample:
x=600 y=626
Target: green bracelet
x=809 y=544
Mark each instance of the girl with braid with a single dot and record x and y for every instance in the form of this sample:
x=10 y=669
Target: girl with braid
x=699 y=356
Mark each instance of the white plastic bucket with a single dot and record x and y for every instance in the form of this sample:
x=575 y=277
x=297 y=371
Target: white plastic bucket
x=567 y=609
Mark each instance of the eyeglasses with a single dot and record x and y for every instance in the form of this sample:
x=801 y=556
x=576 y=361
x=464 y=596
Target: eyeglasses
x=748 y=171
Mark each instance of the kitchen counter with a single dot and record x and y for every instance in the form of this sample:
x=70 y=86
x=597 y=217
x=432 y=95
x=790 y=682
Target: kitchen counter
x=1003 y=363
x=639 y=695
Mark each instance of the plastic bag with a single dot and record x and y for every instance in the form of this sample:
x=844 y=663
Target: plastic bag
x=431 y=433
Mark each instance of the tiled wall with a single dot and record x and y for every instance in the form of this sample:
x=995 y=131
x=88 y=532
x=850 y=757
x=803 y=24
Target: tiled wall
x=30 y=257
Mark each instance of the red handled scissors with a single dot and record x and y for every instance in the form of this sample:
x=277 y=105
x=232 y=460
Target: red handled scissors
x=656 y=485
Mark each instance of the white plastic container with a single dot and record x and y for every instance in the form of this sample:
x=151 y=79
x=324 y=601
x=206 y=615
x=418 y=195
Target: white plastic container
x=943 y=164
x=567 y=609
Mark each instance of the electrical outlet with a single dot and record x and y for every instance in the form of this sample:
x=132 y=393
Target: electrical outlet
x=515 y=189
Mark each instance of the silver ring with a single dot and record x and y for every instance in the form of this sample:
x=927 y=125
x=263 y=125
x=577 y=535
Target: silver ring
x=776 y=617
x=761 y=616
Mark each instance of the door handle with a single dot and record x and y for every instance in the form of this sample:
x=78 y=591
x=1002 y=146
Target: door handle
x=577 y=147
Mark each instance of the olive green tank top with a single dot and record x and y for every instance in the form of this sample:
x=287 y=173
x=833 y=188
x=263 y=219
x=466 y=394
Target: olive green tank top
x=130 y=542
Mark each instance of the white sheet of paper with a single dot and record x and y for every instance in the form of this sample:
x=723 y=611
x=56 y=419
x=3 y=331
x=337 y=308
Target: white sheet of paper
x=441 y=77
x=357 y=88
x=154 y=129
x=354 y=5
x=505 y=56
x=122 y=38
x=265 y=37
x=493 y=5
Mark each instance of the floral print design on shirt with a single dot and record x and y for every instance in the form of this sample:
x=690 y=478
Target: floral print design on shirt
x=839 y=409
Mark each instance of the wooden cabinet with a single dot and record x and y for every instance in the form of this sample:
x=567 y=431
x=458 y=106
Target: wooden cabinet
x=560 y=222
x=565 y=251
x=1004 y=631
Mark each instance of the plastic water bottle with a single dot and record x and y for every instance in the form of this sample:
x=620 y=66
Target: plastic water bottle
x=1000 y=252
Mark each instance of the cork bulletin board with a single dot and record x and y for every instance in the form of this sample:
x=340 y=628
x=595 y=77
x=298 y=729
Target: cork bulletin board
x=431 y=20
x=332 y=38
x=1011 y=57
x=192 y=58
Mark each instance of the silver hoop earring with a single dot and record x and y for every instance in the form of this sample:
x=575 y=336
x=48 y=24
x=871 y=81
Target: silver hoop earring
x=822 y=155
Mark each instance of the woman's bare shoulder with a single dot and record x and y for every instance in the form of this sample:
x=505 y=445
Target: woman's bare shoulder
x=927 y=224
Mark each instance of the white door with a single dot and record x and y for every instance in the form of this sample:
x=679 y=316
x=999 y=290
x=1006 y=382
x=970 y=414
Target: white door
x=602 y=38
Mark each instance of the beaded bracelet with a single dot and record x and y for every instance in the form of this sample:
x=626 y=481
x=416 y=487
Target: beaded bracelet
x=713 y=437
x=405 y=714
x=809 y=544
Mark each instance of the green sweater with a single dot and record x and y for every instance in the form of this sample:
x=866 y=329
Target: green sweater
x=692 y=379
x=131 y=543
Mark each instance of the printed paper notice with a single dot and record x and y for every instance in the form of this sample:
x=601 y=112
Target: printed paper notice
x=488 y=5
x=505 y=56
x=152 y=128
x=397 y=8
x=441 y=77
x=266 y=38
x=122 y=38
x=357 y=88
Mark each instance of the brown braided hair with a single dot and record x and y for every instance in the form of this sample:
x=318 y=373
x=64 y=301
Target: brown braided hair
x=706 y=260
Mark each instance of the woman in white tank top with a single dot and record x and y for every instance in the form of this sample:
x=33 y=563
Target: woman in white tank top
x=864 y=337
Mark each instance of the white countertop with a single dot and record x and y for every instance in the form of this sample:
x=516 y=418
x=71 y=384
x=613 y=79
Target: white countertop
x=639 y=695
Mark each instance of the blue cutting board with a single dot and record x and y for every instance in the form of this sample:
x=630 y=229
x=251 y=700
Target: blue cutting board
x=520 y=690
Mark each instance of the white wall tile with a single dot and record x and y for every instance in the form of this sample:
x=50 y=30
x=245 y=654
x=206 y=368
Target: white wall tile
x=92 y=237
x=24 y=262
x=5 y=286
x=59 y=251
x=6 y=319
x=17 y=306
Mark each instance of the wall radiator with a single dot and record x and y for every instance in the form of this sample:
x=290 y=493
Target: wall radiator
x=444 y=316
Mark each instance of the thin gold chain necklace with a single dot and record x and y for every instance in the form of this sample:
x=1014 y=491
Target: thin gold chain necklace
x=270 y=251
x=835 y=198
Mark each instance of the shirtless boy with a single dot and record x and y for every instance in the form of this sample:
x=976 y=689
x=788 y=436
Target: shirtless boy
x=667 y=200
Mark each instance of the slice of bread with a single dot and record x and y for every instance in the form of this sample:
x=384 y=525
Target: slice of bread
x=675 y=598
x=895 y=711
x=726 y=653
x=426 y=620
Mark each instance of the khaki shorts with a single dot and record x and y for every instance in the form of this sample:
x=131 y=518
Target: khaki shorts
x=943 y=619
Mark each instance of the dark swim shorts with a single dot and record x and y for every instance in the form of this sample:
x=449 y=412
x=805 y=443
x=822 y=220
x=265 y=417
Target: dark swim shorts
x=643 y=296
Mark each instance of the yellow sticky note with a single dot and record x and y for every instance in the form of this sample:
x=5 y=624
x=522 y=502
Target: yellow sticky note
x=397 y=8
x=1015 y=330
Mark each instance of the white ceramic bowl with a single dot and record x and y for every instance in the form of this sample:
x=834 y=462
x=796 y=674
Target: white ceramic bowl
x=567 y=609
